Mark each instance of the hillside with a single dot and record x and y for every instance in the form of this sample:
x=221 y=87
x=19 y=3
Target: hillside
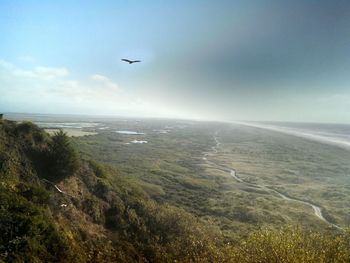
x=85 y=213
x=56 y=206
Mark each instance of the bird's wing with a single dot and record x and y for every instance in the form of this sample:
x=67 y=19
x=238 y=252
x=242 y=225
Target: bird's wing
x=136 y=61
x=126 y=60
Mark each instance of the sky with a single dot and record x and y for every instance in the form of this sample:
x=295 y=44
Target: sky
x=271 y=60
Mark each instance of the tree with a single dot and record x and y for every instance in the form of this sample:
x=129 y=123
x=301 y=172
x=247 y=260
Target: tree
x=63 y=160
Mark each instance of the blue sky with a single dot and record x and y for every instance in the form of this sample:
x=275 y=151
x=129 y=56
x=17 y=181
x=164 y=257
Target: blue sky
x=222 y=60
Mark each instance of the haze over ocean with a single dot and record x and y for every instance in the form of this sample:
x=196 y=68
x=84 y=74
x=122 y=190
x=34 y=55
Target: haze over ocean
x=333 y=134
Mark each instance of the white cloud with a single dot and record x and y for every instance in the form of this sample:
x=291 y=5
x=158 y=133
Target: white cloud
x=5 y=65
x=54 y=90
x=39 y=72
x=49 y=73
x=104 y=81
x=27 y=59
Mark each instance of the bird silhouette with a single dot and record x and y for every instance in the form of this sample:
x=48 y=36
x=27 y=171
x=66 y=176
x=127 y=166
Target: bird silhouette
x=130 y=61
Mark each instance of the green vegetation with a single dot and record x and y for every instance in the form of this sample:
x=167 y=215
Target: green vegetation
x=27 y=230
x=171 y=169
x=62 y=159
x=290 y=244
x=58 y=207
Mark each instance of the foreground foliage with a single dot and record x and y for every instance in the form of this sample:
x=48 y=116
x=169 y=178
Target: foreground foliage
x=290 y=244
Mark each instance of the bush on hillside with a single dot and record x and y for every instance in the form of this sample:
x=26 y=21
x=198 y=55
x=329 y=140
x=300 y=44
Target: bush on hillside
x=29 y=133
x=27 y=232
x=292 y=245
x=62 y=158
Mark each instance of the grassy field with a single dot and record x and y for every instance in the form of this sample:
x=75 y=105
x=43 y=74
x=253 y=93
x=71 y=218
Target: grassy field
x=187 y=164
x=298 y=167
x=181 y=165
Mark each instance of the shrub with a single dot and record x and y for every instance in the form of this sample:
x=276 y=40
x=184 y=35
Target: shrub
x=98 y=169
x=29 y=133
x=290 y=244
x=27 y=232
x=36 y=194
x=62 y=160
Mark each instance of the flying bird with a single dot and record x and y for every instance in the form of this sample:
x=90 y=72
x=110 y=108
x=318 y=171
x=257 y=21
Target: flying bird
x=130 y=61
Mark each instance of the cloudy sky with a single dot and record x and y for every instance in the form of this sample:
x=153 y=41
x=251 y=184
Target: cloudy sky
x=220 y=60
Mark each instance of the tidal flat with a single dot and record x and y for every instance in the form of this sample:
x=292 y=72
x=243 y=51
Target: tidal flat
x=71 y=132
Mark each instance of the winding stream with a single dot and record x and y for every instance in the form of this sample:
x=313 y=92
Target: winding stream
x=317 y=210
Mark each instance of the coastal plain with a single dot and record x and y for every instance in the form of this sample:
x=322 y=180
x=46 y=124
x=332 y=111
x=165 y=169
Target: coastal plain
x=188 y=164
